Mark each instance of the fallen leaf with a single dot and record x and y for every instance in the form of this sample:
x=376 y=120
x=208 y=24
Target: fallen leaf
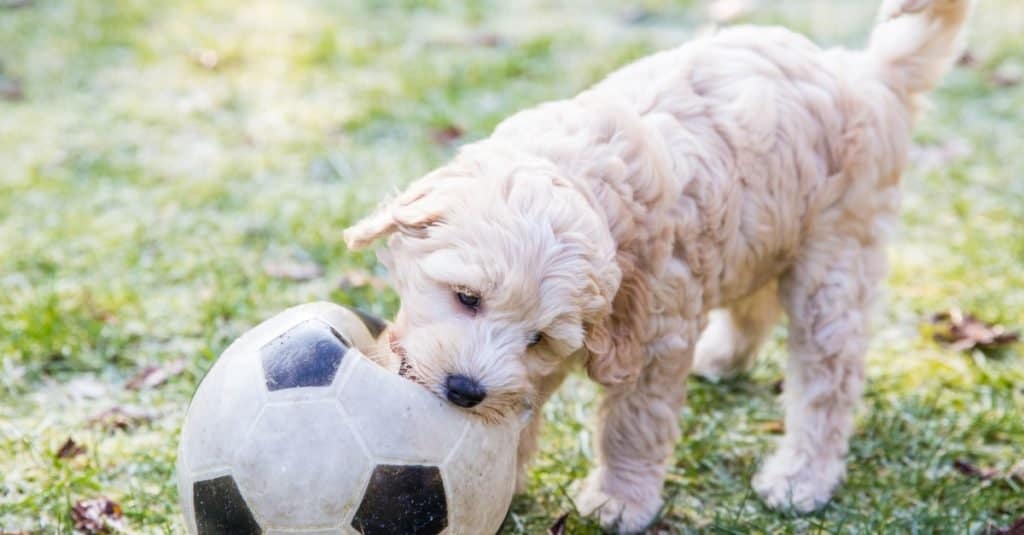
x=121 y=418
x=558 y=527
x=446 y=135
x=98 y=515
x=70 y=449
x=489 y=40
x=963 y=332
x=292 y=269
x=775 y=427
x=968 y=59
x=969 y=469
x=360 y=279
x=1017 y=528
x=155 y=375
x=10 y=89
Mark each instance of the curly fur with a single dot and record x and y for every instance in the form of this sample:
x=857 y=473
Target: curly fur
x=742 y=173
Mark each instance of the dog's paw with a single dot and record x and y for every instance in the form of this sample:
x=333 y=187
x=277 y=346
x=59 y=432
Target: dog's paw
x=718 y=354
x=789 y=481
x=621 y=514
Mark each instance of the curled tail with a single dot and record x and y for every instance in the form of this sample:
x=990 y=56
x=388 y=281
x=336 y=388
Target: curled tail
x=916 y=41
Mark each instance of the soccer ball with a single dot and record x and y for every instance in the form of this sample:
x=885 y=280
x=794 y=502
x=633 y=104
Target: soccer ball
x=294 y=431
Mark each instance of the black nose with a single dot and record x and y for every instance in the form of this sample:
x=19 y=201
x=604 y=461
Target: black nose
x=463 y=391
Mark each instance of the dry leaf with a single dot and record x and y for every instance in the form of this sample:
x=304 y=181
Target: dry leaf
x=10 y=89
x=775 y=427
x=969 y=469
x=558 y=527
x=490 y=40
x=964 y=332
x=155 y=375
x=296 y=270
x=446 y=135
x=1017 y=528
x=99 y=515
x=968 y=59
x=121 y=418
x=359 y=279
x=70 y=449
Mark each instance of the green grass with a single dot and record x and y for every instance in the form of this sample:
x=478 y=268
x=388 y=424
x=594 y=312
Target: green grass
x=164 y=152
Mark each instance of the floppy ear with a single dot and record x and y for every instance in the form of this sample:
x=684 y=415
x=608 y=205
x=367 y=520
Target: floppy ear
x=412 y=212
x=616 y=354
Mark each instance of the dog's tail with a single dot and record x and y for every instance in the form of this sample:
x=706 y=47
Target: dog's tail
x=916 y=41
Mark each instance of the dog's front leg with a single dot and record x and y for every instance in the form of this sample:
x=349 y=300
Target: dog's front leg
x=528 y=438
x=638 y=429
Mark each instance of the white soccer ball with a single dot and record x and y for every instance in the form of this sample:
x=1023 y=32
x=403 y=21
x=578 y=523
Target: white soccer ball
x=293 y=431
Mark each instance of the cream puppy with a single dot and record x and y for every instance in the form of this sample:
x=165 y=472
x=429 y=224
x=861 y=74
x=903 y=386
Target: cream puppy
x=745 y=173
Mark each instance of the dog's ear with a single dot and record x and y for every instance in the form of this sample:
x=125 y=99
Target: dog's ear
x=615 y=353
x=412 y=212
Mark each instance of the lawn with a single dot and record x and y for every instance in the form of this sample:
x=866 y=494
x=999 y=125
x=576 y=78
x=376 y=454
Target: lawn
x=171 y=173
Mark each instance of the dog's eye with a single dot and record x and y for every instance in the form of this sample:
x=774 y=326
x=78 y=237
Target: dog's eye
x=469 y=300
x=535 y=338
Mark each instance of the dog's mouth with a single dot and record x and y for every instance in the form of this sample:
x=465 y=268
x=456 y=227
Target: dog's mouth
x=404 y=366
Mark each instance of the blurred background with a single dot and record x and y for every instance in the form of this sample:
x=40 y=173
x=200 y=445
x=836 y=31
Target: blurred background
x=171 y=173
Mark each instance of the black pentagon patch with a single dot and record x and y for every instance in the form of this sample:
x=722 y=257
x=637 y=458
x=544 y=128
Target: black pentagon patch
x=220 y=508
x=373 y=324
x=307 y=355
x=403 y=499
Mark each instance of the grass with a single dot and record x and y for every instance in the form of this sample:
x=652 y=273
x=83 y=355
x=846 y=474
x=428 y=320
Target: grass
x=165 y=152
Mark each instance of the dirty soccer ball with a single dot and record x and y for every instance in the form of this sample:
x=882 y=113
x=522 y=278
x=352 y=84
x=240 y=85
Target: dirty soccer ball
x=293 y=430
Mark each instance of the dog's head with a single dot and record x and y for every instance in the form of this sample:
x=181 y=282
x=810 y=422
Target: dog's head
x=504 y=268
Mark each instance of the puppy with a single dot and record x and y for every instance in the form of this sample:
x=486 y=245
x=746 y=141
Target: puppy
x=745 y=173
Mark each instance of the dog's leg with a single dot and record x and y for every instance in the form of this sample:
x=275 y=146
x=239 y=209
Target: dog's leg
x=638 y=429
x=528 y=438
x=730 y=343
x=827 y=295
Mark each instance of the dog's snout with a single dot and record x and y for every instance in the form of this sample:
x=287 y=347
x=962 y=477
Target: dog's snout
x=464 y=391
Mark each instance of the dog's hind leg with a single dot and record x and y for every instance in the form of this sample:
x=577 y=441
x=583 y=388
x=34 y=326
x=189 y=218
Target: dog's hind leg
x=827 y=295
x=730 y=343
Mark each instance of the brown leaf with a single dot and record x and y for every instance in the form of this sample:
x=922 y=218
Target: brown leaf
x=10 y=89
x=969 y=469
x=70 y=449
x=490 y=40
x=558 y=527
x=1017 y=528
x=775 y=427
x=963 y=332
x=447 y=135
x=291 y=269
x=968 y=59
x=98 y=515
x=359 y=279
x=121 y=418
x=155 y=375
